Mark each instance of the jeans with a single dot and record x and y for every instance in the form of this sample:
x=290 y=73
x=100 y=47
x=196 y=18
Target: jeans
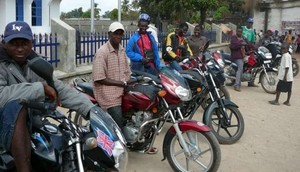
x=8 y=117
x=144 y=68
x=239 y=63
x=116 y=113
x=175 y=65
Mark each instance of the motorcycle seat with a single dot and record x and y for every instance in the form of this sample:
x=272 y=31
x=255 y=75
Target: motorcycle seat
x=87 y=87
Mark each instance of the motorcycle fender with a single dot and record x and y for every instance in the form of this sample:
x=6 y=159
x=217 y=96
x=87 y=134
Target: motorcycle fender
x=184 y=126
x=267 y=70
x=214 y=105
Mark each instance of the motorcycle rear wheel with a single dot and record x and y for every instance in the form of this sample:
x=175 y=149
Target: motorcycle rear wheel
x=204 y=149
x=269 y=87
x=226 y=134
x=295 y=66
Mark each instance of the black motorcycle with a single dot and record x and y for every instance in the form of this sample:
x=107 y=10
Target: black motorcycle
x=257 y=62
x=221 y=115
x=58 y=144
x=274 y=48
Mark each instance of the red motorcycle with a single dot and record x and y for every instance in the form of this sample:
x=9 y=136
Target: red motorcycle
x=188 y=145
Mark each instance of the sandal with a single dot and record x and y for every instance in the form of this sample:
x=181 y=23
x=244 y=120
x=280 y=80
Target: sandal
x=274 y=102
x=287 y=103
x=153 y=150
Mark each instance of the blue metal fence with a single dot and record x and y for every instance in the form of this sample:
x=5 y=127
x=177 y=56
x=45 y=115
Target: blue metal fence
x=90 y=42
x=46 y=45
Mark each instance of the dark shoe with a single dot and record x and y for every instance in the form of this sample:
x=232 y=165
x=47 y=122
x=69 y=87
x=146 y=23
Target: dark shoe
x=286 y=103
x=237 y=89
x=274 y=102
x=252 y=85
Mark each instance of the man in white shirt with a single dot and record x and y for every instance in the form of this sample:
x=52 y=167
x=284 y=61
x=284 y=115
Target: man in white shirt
x=285 y=76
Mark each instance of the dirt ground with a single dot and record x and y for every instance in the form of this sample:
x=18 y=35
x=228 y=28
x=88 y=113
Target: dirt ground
x=271 y=140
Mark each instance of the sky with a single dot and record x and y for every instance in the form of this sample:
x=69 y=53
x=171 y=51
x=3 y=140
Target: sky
x=104 y=5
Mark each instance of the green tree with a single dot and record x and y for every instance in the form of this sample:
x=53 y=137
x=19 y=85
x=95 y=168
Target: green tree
x=78 y=13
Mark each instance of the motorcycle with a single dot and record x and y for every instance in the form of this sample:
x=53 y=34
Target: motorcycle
x=274 y=47
x=221 y=115
x=190 y=64
x=147 y=105
x=257 y=62
x=58 y=144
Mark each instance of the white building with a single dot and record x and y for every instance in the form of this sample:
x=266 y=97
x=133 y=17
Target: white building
x=277 y=15
x=37 y=13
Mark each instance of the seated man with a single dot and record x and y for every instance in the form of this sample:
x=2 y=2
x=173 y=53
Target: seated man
x=142 y=48
x=177 y=47
x=18 y=81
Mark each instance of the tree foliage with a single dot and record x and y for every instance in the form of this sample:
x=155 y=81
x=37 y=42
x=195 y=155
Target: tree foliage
x=79 y=13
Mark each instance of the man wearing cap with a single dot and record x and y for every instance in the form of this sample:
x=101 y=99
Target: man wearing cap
x=142 y=48
x=249 y=34
x=18 y=81
x=111 y=73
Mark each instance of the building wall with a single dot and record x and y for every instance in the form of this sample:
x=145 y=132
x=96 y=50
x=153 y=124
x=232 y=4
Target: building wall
x=278 y=12
x=50 y=9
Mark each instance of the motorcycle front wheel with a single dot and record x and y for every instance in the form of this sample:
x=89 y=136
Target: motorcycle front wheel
x=269 y=86
x=226 y=133
x=205 y=153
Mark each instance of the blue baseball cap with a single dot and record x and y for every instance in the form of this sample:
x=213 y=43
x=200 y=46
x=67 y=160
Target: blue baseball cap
x=17 y=29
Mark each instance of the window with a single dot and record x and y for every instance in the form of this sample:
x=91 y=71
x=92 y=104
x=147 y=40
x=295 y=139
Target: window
x=19 y=10
x=36 y=13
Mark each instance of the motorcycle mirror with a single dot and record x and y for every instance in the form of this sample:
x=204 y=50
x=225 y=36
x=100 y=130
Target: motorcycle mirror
x=43 y=69
x=206 y=45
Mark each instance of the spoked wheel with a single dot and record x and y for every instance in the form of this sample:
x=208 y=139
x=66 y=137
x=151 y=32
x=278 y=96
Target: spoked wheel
x=226 y=132
x=224 y=94
x=295 y=68
x=229 y=71
x=269 y=86
x=205 y=153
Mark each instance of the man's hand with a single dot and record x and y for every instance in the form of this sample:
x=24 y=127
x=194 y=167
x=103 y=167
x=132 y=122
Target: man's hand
x=51 y=93
x=178 y=58
x=145 y=60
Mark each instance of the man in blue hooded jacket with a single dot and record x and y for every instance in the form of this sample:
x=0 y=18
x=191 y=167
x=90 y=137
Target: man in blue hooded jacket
x=142 y=48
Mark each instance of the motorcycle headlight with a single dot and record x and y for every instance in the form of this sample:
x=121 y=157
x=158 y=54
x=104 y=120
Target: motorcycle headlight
x=121 y=156
x=183 y=93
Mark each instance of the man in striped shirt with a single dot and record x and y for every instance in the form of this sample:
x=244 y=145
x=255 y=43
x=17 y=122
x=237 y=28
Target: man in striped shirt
x=111 y=73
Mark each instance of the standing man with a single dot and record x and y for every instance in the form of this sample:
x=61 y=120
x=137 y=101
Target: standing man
x=111 y=73
x=142 y=48
x=237 y=48
x=197 y=40
x=249 y=34
x=177 y=47
x=248 y=31
x=285 y=76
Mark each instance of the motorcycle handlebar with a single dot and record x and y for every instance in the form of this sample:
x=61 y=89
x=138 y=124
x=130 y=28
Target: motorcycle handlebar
x=43 y=106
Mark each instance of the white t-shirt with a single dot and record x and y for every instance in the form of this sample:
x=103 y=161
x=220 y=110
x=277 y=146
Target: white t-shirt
x=286 y=62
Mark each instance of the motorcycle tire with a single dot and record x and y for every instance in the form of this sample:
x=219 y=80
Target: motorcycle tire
x=226 y=134
x=269 y=87
x=295 y=66
x=205 y=152
x=224 y=93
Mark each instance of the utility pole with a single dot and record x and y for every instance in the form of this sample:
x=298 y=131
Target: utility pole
x=92 y=16
x=119 y=11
